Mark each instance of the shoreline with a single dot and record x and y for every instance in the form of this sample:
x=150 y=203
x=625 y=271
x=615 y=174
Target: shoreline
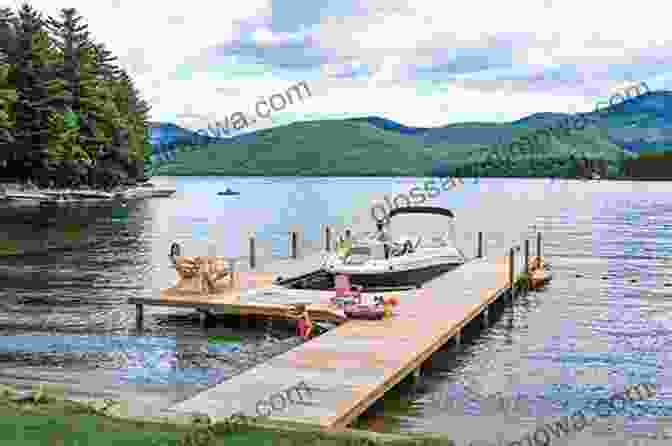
x=28 y=191
x=353 y=175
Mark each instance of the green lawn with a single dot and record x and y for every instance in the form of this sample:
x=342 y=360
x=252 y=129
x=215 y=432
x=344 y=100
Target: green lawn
x=57 y=422
x=64 y=424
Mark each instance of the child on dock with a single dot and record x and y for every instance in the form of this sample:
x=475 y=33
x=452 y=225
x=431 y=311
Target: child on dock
x=304 y=325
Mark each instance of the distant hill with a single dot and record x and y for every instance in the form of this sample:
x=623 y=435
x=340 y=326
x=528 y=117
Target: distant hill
x=348 y=148
x=640 y=124
x=386 y=124
x=379 y=146
x=163 y=135
x=331 y=147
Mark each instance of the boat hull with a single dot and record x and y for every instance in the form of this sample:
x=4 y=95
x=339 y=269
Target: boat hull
x=411 y=277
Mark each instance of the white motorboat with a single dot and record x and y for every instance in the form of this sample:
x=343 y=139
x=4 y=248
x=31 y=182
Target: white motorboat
x=383 y=260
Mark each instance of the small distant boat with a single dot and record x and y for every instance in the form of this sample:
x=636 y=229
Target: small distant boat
x=228 y=191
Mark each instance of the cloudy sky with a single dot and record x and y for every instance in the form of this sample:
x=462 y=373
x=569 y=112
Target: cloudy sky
x=420 y=62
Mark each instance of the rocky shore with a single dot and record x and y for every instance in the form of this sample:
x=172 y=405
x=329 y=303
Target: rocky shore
x=28 y=191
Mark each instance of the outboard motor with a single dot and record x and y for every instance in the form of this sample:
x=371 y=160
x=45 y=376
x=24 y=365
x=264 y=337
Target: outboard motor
x=175 y=251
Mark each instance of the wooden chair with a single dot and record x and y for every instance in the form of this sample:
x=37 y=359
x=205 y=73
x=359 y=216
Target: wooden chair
x=201 y=274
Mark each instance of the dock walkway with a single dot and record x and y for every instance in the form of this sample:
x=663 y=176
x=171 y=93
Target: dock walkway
x=351 y=366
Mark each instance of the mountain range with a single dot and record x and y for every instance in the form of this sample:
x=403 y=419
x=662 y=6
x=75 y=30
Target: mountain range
x=379 y=146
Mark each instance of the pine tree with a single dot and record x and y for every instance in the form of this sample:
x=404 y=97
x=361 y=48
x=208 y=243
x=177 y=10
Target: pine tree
x=71 y=38
x=32 y=97
x=8 y=40
x=7 y=103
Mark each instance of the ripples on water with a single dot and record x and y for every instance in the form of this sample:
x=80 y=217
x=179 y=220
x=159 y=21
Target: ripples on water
x=63 y=301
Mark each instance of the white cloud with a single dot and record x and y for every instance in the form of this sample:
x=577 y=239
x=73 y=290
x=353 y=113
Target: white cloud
x=388 y=39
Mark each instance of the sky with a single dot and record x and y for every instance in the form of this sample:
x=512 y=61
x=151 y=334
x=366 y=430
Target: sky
x=421 y=63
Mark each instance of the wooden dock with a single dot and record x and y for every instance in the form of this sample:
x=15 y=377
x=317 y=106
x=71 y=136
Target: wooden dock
x=353 y=365
x=255 y=296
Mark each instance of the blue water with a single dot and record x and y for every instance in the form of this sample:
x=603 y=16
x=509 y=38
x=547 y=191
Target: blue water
x=151 y=359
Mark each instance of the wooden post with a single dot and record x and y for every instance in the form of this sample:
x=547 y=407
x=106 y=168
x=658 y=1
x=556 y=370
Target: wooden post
x=138 y=316
x=480 y=244
x=539 y=245
x=232 y=262
x=327 y=236
x=204 y=319
x=511 y=252
x=527 y=256
x=486 y=317
x=253 y=260
x=293 y=247
x=458 y=339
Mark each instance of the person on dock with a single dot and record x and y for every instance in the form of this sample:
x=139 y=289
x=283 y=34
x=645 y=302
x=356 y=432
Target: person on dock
x=304 y=326
x=344 y=244
x=384 y=237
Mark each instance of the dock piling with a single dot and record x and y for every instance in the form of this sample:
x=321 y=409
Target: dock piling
x=458 y=339
x=138 y=316
x=527 y=256
x=293 y=245
x=327 y=237
x=480 y=244
x=485 y=317
x=511 y=254
x=232 y=263
x=539 y=244
x=253 y=260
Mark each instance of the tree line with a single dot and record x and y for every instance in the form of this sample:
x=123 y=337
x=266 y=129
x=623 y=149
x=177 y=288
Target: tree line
x=69 y=116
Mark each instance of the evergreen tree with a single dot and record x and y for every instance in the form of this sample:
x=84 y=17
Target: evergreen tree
x=8 y=41
x=71 y=38
x=32 y=98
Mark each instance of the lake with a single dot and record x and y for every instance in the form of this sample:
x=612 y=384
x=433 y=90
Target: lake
x=606 y=313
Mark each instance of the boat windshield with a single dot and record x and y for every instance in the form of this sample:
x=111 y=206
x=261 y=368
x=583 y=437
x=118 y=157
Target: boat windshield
x=434 y=231
x=363 y=253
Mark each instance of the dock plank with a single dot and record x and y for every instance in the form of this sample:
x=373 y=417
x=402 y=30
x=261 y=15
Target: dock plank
x=353 y=365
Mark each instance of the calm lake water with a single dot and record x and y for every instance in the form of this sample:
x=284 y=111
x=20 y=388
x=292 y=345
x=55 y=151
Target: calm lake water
x=63 y=299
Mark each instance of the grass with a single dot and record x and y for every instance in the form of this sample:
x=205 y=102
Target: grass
x=48 y=419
